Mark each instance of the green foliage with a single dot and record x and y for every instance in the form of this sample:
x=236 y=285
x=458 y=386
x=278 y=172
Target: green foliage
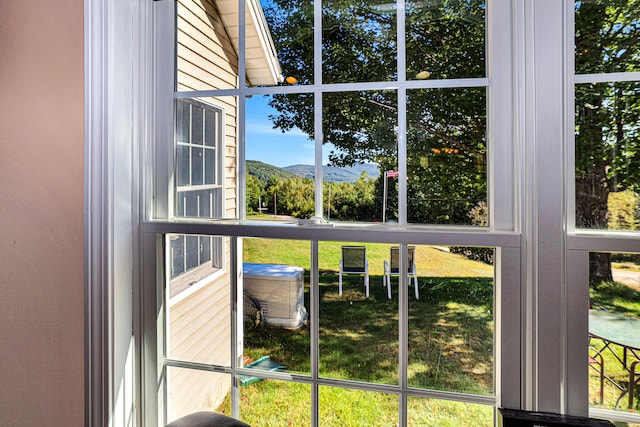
x=263 y=171
x=479 y=216
x=255 y=191
x=624 y=210
x=446 y=128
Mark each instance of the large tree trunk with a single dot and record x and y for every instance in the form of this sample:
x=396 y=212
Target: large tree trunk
x=592 y=193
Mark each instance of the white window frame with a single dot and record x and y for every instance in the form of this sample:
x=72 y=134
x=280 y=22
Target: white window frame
x=541 y=261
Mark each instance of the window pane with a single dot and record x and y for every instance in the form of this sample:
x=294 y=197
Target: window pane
x=276 y=301
x=204 y=205
x=607 y=36
x=192 y=252
x=196 y=125
x=211 y=122
x=608 y=156
x=190 y=390
x=360 y=136
x=183 y=121
x=210 y=166
x=446 y=156
x=435 y=413
x=274 y=403
x=614 y=331
x=205 y=248
x=183 y=165
x=205 y=52
x=177 y=255
x=451 y=325
x=290 y=25
x=358 y=333
x=343 y=407
x=197 y=160
x=358 y=41
x=280 y=156
x=445 y=40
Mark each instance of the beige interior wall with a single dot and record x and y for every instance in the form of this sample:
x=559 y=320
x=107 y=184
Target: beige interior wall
x=41 y=213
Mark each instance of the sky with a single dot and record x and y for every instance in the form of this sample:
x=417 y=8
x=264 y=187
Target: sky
x=269 y=145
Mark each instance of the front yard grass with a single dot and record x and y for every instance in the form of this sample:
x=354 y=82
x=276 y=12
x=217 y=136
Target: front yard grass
x=450 y=343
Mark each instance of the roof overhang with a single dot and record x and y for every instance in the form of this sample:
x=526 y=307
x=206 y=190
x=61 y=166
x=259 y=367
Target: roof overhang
x=261 y=58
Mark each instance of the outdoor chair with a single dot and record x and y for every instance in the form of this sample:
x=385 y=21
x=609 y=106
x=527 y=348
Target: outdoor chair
x=354 y=261
x=392 y=268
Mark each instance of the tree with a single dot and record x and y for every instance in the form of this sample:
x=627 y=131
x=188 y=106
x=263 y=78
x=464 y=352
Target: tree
x=445 y=127
x=607 y=115
x=446 y=144
x=254 y=190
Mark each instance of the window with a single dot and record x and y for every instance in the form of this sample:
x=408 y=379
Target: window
x=467 y=153
x=198 y=191
x=412 y=129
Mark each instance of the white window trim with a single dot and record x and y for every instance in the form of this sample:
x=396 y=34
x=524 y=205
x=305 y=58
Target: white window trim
x=547 y=380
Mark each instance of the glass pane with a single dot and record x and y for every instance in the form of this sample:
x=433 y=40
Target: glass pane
x=190 y=390
x=176 y=254
x=290 y=25
x=447 y=156
x=197 y=161
x=361 y=153
x=280 y=157
x=445 y=39
x=274 y=403
x=341 y=407
x=198 y=313
x=614 y=331
x=607 y=36
x=211 y=124
x=608 y=156
x=183 y=121
x=205 y=49
x=205 y=202
x=451 y=323
x=196 y=125
x=445 y=413
x=358 y=41
x=276 y=301
x=358 y=323
x=192 y=252
x=205 y=248
x=183 y=165
x=210 y=166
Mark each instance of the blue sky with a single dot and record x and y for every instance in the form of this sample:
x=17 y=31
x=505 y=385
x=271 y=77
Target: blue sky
x=269 y=145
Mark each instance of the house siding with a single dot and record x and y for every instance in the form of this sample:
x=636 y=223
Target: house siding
x=199 y=325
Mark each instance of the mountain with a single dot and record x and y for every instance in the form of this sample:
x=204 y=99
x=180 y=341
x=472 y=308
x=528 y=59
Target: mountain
x=264 y=171
x=335 y=174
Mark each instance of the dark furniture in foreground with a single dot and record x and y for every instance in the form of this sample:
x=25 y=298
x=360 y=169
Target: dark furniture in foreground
x=207 y=419
x=517 y=418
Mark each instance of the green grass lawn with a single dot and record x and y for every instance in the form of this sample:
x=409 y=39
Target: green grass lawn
x=450 y=340
x=618 y=298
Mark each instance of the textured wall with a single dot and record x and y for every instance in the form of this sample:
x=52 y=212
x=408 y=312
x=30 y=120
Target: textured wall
x=41 y=213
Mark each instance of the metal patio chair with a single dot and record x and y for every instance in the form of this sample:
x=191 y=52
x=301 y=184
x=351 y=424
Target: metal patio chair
x=392 y=268
x=354 y=261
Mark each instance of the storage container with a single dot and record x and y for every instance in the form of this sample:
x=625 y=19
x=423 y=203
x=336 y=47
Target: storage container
x=279 y=290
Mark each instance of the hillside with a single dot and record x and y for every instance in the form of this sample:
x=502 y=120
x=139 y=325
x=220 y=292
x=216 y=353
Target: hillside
x=264 y=171
x=334 y=174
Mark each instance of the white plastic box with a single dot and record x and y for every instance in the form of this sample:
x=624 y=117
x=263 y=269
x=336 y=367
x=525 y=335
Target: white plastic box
x=279 y=289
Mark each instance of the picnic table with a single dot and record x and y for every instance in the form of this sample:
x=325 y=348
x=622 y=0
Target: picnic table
x=624 y=331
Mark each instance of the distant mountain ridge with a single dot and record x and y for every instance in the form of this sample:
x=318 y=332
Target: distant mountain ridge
x=335 y=174
x=264 y=171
